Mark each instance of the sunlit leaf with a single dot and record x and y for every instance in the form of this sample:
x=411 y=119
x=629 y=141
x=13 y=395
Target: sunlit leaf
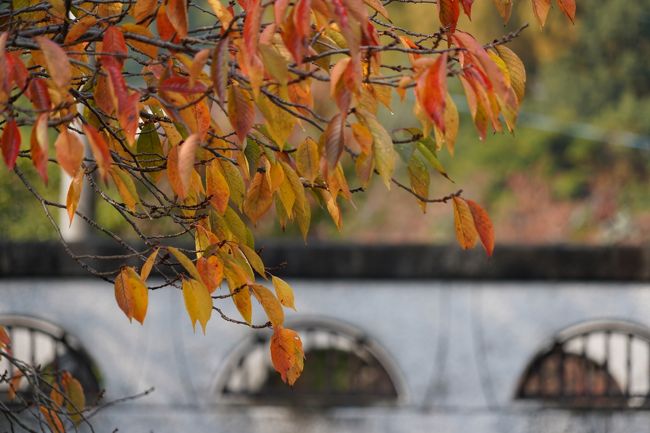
x=270 y=303
x=148 y=265
x=259 y=198
x=100 y=150
x=185 y=262
x=177 y=14
x=74 y=194
x=56 y=61
x=198 y=302
x=284 y=292
x=211 y=271
x=466 y=233
x=39 y=145
x=541 y=8
x=287 y=354
x=69 y=152
x=131 y=294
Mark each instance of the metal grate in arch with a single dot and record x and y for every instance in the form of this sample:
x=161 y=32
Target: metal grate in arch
x=50 y=348
x=593 y=365
x=343 y=367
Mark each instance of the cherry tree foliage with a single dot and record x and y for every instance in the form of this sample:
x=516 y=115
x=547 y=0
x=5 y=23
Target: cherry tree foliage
x=208 y=129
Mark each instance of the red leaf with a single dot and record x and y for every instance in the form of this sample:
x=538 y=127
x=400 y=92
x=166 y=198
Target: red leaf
x=10 y=143
x=38 y=93
x=431 y=88
x=127 y=104
x=18 y=73
x=449 y=13
x=114 y=48
x=100 y=150
x=467 y=7
x=180 y=84
x=166 y=30
x=240 y=112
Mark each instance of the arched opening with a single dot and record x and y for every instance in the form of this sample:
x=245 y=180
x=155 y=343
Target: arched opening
x=51 y=350
x=600 y=364
x=343 y=367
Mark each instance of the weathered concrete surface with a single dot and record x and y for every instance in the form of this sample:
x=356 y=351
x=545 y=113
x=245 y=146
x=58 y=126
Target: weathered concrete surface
x=459 y=348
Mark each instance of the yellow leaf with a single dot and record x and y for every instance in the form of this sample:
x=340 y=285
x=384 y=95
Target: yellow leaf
x=253 y=259
x=131 y=294
x=382 y=148
x=448 y=138
x=308 y=159
x=125 y=186
x=270 y=303
x=259 y=198
x=148 y=265
x=464 y=224
x=198 y=302
x=284 y=292
x=516 y=70
x=75 y=399
x=287 y=354
x=216 y=186
x=150 y=50
x=279 y=122
x=185 y=262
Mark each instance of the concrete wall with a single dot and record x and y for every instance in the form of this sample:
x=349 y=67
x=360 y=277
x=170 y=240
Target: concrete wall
x=459 y=349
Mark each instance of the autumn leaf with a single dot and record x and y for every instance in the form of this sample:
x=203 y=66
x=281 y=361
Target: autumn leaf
x=382 y=148
x=284 y=292
x=287 y=354
x=483 y=226
x=125 y=187
x=568 y=7
x=335 y=139
x=504 y=7
x=114 y=49
x=52 y=419
x=198 y=302
x=449 y=11
x=211 y=271
x=186 y=159
x=541 y=7
x=240 y=111
x=39 y=146
x=75 y=400
x=100 y=150
x=431 y=91
x=177 y=14
x=74 y=194
x=219 y=68
x=259 y=198
x=185 y=262
x=10 y=143
x=56 y=61
x=148 y=265
x=464 y=224
x=308 y=159
x=69 y=152
x=270 y=303
x=217 y=186
x=131 y=294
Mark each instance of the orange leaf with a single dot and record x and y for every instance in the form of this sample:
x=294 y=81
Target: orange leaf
x=80 y=27
x=464 y=224
x=4 y=338
x=483 y=226
x=568 y=7
x=211 y=270
x=541 y=7
x=177 y=14
x=39 y=146
x=131 y=294
x=69 y=152
x=14 y=385
x=216 y=186
x=287 y=354
x=74 y=194
x=143 y=10
x=52 y=420
x=56 y=61
x=199 y=61
x=172 y=173
x=10 y=143
x=431 y=90
x=198 y=302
